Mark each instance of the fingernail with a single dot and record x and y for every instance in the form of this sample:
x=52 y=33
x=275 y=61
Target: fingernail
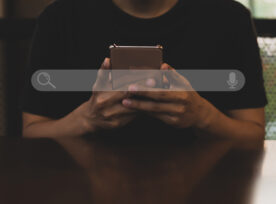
x=164 y=66
x=151 y=82
x=133 y=88
x=126 y=102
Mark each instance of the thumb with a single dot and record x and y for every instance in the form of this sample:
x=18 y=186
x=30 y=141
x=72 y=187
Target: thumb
x=175 y=79
x=103 y=75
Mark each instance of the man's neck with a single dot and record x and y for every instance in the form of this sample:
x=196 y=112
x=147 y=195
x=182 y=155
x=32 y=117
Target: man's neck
x=145 y=8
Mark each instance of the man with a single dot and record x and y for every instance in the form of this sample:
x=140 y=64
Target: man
x=211 y=34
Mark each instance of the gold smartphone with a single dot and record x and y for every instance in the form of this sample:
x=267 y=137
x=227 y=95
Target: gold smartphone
x=135 y=58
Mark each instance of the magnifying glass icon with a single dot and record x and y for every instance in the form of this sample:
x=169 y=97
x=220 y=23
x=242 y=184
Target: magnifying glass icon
x=44 y=79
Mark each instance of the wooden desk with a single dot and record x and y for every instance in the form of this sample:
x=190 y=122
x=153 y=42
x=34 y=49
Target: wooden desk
x=81 y=171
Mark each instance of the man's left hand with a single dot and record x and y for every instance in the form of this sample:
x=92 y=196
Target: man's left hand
x=180 y=105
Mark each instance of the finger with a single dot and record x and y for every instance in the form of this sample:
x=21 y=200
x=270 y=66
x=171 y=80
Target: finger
x=157 y=93
x=116 y=111
x=168 y=119
x=103 y=74
x=174 y=77
x=151 y=82
x=103 y=77
x=169 y=70
x=126 y=119
x=165 y=80
x=120 y=121
x=154 y=107
x=150 y=78
x=104 y=99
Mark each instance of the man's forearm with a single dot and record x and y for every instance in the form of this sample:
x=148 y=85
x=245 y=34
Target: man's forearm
x=222 y=126
x=69 y=126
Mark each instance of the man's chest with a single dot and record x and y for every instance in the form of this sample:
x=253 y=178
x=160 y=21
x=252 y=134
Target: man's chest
x=182 y=49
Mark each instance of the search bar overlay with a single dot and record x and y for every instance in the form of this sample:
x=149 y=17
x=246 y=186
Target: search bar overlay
x=118 y=80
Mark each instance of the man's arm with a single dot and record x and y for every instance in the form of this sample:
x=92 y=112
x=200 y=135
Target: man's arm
x=35 y=126
x=102 y=111
x=246 y=126
x=184 y=109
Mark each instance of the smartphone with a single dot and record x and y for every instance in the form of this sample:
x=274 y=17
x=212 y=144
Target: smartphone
x=135 y=58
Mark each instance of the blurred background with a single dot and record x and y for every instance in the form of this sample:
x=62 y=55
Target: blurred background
x=17 y=22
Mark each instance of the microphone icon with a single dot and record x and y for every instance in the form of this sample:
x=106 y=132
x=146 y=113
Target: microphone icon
x=232 y=82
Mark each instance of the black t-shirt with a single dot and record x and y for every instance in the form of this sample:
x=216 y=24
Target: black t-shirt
x=213 y=34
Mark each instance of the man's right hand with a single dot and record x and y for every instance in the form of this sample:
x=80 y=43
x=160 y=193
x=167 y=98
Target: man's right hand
x=104 y=110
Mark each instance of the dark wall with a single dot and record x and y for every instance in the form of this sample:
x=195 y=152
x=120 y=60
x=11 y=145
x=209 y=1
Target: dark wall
x=16 y=45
